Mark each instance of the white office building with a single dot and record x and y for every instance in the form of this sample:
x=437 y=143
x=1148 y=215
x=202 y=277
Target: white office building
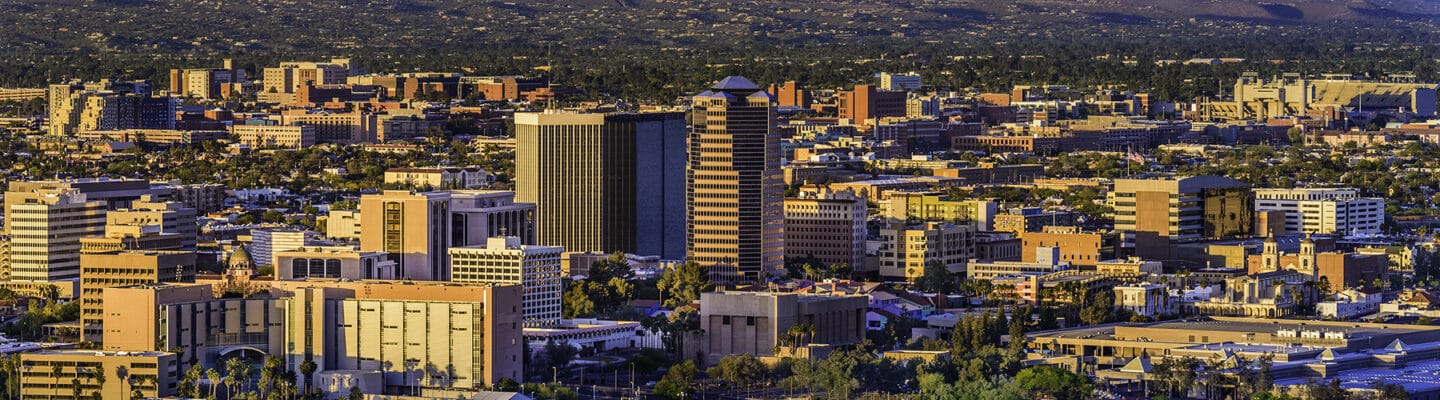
x=504 y=260
x=1325 y=211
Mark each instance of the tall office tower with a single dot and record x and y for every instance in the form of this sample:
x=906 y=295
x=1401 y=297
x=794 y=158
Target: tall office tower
x=734 y=185
x=125 y=268
x=171 y=217
x=206 y=83
x=604 y=183
x=505 y=261
x=45 y=230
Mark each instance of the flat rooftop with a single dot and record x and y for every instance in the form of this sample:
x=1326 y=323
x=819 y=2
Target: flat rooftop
x=1416 y=377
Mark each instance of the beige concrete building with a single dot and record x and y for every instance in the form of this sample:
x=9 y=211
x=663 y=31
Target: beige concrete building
x=333 y=262
x=151 y=373
x=343 y=224
x=439 y=178
x=275 y=136
x=288 y=77
x=417 y=228
x=735 y=192
x=1046 y=260
x=125 y=268
x=1076 y=247
x=171 y=217
x=505 y=261
x=904 y=250
x=155 y=136
x=758 y=323
x=829 y=226
x=1257 y=98
x=45 y=228
x=417 y=333
x=349 y=128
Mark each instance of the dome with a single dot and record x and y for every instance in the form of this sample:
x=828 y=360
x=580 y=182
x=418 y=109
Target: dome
x=240 y=257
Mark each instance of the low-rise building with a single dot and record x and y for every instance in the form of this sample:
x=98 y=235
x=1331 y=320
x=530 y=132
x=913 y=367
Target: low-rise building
x=59 y=374
x=759 y=323
x=333 y=262
x=275 y=136
x=904 y=250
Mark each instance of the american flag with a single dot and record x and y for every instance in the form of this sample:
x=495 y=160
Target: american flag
x=1135 y=157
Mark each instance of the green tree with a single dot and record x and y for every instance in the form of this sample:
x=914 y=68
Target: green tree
x=683 y=284
x=936 y=278
x=1099 y=311
x=677 y=381
x=1054 y=382
x=739 y=370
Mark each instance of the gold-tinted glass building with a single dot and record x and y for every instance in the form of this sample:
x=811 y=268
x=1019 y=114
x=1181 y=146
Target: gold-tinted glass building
x=734 y=183
x=604 y=182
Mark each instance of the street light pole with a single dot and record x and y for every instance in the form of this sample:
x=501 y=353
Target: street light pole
x=554 y=375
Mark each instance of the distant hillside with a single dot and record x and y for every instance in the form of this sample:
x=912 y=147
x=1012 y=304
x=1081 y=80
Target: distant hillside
x=219 y=26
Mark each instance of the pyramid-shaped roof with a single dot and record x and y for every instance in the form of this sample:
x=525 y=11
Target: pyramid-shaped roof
x=1139 y=364
x=1398 y=346
x=1327 y=355
x=735 y=82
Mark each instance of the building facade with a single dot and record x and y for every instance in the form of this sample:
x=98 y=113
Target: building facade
x=504 y=260
x=759 y=323
x=734 y=185
x=1323 y=211
x=904 y=250
x=604 y=182
x=829 y=226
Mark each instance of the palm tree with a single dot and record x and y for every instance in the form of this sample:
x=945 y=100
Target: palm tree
x=308 y=368
x=55 y=373
x=214 y=377
x=232 y=374
x=123 y=374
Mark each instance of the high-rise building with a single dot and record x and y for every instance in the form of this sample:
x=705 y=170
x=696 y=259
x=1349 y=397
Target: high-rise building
x=1154 y=212
x=107 y=105
x=504 y=260
x=1325 y=211
x=116 y=193
x=45 y=228
x=343 y=224
x=829 y=226
x=604 y=183
x=735 y=185
x=125 y=268
x=417 y=228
